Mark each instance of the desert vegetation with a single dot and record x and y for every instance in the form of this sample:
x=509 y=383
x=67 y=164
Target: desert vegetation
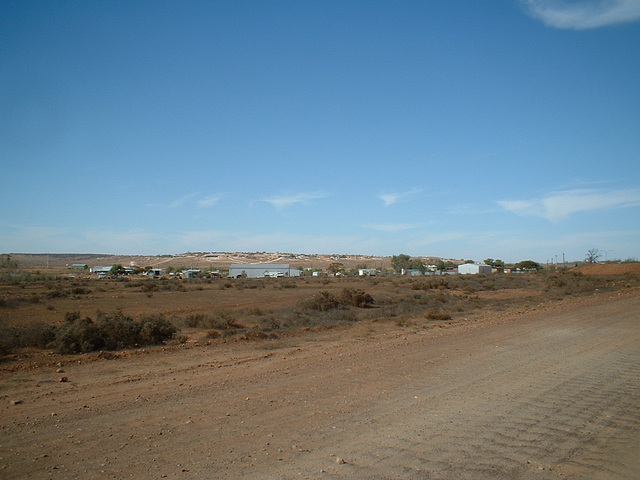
x=70 y=315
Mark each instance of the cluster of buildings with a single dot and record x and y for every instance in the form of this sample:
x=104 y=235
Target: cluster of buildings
x=280 y=270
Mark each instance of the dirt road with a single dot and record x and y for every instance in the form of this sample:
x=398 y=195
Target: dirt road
x=549 y=394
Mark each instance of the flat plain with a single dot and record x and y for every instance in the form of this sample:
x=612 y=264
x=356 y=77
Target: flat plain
x=534 y=376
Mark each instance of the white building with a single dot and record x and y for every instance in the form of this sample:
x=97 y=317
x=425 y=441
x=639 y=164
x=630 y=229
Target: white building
x=474 y=268
x=101 y=270
x=154 y=273
x=190 y=273
x=261 y=270
x=367 y=272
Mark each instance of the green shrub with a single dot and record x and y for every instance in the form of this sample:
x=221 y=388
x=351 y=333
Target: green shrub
x=155 y=329
x=112 y=332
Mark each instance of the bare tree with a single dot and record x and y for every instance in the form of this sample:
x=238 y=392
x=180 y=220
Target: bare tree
x=593 y=255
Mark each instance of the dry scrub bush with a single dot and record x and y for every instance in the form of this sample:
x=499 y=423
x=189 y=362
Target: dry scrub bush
x=249 y=283
x=437 y=315
x=223 y=322
x=348 y=297
x=560 y=284
x=309 y=318
x=323 y=301
x=108 y=332
x=149 y=286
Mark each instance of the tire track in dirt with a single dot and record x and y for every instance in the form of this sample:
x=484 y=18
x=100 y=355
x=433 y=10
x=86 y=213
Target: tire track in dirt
x=568 y=407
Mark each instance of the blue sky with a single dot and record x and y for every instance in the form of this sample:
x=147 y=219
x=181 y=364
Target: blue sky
x=462 y=129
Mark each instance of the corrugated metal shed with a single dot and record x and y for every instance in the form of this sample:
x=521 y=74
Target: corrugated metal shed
x=261 y=270
x=474 y=268
x=101 y=269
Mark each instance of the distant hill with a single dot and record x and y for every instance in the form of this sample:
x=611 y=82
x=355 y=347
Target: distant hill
x=196 y=260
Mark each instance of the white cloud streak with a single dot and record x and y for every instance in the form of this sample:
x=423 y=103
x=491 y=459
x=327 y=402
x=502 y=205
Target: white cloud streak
x=584 y=14
x=209 y=200
x=391 y=198
x=182 y=200
x=557 y=206
x=282 y=201
x=391 y=227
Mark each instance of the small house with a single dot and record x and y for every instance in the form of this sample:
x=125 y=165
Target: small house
x=154 y=273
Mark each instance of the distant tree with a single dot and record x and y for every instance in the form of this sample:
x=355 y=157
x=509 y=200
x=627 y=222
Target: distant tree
x=401 y=262
x=444 y=265
x=335 y=267
x=418 y=265
x=593 y=256
x=494 y=263
x=7 y=266
x=8 y=263
x=528 y=265
x=116 y=269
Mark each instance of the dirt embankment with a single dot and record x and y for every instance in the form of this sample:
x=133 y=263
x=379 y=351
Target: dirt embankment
x=608 y=269
x=551 y=393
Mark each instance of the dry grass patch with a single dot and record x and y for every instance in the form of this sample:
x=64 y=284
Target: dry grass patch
x=32 y=310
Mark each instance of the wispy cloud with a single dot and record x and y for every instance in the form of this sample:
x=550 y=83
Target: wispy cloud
x=583 y=14
x=391 y=227
x=282 y=201
x=557 y=206
x=178 y=202
x=182 y=200
x=209 y=200
x=391 y=198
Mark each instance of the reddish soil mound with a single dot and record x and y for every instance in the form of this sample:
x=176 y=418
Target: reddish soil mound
x=608 y=269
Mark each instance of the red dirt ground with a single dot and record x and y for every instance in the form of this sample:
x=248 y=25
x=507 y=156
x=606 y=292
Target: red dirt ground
x=548 y=393
x=608 y=269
